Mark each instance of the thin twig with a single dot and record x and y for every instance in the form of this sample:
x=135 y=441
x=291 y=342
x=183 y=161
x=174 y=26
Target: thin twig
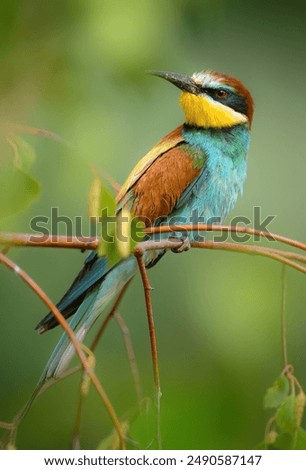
x=131 y=356
x=50 y=241
x=227 y=228
x=76 y=433
x=147 y=291
x=278 y=255
x=19 y=128
x=283 y=316
x=61 y=320
x=249 y=249
x=84 y=389
x=77 y=427
x=67 y=373
x=128 y=344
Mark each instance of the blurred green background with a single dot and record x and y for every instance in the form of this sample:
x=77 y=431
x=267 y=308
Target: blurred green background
x=77 y=68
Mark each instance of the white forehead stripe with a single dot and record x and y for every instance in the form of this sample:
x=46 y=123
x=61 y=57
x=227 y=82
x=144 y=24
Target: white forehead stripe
x=207 y=80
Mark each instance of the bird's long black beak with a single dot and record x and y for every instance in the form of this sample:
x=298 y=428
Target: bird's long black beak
x=183 y=82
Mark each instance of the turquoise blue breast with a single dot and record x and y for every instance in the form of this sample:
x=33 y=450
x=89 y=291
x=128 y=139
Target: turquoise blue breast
x=215 y=191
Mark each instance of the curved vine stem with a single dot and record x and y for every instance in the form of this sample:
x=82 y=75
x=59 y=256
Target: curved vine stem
x=78 y=348
x=147 y=292
x=283 y=317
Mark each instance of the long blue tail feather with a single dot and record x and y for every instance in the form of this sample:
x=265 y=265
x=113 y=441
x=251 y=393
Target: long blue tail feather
x=95 y=303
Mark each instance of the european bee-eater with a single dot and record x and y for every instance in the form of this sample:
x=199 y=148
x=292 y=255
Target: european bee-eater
x=200 y=167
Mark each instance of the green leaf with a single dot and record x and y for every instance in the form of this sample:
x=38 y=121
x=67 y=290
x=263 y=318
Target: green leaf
x=17 y=190
x=130 y=231
x=101 y=202
x=120 y=236
x=286 y=415
x=102 y=207
x=276 y=394
x=123 y=233
x=94 y=198
x=108 y=202
x=137 y=232
x=300 y=442
x=299 y=406
x=107 y=244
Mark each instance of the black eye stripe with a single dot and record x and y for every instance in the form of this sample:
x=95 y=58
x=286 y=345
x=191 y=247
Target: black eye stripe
x=213 y=91
x=231 y=99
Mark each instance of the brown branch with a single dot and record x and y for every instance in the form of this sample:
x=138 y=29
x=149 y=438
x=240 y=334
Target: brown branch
x=228 y=228
x=48 y=241
x=61 y=320
x=139 y=252
x=249 y=249
x=91 y=243
x=278 y=255
x=73 y=370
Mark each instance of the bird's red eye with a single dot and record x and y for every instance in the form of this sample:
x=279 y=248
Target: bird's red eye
x=221 y=93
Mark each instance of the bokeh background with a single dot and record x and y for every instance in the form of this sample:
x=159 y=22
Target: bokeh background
x=77 y=68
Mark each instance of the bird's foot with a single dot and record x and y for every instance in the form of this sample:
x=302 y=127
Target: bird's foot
x=185 y=244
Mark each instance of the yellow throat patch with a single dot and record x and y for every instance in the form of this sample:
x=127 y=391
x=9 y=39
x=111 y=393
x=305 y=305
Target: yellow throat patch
x=201 y=111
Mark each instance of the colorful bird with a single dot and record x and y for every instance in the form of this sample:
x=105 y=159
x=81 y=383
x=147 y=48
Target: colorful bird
x=197 y=170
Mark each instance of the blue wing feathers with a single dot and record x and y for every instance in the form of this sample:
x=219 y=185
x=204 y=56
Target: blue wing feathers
x=93 y=271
